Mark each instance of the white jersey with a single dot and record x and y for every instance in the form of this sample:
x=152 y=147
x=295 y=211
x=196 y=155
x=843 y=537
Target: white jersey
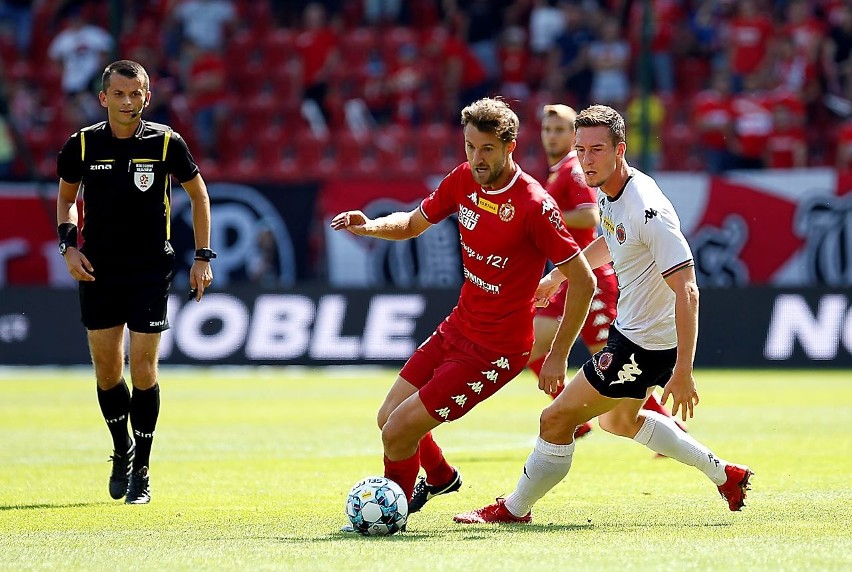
x=643 y=233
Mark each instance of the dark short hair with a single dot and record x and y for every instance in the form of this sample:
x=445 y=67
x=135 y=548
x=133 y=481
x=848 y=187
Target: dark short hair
x=492 y=115
x=126 y=68
x=602 y=116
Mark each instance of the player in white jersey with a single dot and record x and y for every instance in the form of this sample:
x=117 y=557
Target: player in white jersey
x=651 y=343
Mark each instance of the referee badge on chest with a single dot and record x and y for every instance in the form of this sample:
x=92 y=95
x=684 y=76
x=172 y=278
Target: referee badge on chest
x=143 y=175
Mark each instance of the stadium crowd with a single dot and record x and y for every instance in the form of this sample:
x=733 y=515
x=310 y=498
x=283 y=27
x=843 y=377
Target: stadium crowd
x=284 y=90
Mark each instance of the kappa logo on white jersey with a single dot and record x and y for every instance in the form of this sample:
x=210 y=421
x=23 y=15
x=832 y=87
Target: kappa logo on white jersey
x=628 y=372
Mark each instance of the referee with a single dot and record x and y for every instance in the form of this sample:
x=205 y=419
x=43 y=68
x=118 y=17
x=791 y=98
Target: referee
x=124 y=263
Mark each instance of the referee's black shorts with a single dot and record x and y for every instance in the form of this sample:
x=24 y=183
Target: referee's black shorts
x=142 y=306
x=624 y=369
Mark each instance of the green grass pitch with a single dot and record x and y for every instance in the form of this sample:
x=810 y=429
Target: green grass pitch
x=251 y=468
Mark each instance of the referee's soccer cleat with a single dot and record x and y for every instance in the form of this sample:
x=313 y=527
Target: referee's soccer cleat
x=735 y=488
x=120 y=475
x=424 y=492
x=139 y=487
x=496 y=513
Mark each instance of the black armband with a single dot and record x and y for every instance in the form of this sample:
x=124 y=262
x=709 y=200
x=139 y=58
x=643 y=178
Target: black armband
x=67 y=232
x=204 y=254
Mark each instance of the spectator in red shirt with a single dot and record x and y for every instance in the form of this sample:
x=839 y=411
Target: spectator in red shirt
x=786 y=146
x=712 y=118
x=318 y=52
x=748 y=37
x=206 y=96
x=514 y=64
x=752 y=123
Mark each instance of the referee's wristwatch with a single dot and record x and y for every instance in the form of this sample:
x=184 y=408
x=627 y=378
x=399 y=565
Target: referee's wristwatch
x=204 y=254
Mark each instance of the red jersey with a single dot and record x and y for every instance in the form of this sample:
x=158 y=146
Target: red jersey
x=713 y=116
x=782 y=145
x=748 y=39
x=506 y=236
x=567 y=185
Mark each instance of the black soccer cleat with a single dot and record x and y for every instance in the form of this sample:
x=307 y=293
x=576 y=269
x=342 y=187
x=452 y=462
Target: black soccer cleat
x=139 y=488
x=121 y=467
x=424 y=492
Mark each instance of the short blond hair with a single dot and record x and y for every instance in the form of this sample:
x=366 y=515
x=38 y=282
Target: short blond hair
x=559 y=110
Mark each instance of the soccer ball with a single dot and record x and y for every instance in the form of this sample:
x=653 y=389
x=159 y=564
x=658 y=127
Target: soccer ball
x=376 y=506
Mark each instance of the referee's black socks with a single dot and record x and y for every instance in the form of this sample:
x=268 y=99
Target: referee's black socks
x=144 y=410
x=115 y=407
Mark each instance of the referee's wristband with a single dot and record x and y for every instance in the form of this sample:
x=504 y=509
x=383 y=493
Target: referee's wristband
x=67 y=232
x=204 y=254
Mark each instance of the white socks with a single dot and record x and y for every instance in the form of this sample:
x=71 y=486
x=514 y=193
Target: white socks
x=660 y=434
x=546 y=466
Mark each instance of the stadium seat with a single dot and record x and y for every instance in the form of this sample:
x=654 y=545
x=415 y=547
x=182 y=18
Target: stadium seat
x=438 y=148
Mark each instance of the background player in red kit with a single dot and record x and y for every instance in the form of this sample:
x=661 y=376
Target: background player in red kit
x=508 y=226
x=566 y=184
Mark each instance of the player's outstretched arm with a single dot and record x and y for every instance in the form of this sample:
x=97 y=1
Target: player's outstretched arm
x=395 y=226
x=681 y=387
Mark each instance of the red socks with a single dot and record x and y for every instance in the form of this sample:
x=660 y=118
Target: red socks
x=536 y=366
x=404 y=472
x=438 y=471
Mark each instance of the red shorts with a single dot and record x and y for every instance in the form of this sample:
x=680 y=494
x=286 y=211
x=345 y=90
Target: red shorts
x=601 y=313
x=454 y=374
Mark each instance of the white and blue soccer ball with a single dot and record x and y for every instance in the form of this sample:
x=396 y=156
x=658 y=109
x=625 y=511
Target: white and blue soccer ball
x=376 y=506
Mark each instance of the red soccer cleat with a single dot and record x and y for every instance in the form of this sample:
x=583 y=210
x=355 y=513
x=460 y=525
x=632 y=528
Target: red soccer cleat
x=582 y=430
x=734 y=489
x=496 y=513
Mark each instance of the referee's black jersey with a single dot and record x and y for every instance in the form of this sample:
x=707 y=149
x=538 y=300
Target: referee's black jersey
x=126 y=190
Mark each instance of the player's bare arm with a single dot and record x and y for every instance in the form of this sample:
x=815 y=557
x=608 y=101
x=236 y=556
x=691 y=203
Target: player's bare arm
x=577 y=303
x=201 y=274
x=583 y=217
x=395 y=226
x=681 y=387
x=597 y=254
x=66 y=212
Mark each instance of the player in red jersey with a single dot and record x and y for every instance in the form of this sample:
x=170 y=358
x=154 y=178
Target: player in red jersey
x=508 y=226
x=567 y=185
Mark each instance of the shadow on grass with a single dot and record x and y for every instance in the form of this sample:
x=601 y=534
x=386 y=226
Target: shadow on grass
x=455 y=532
x=48 y=505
